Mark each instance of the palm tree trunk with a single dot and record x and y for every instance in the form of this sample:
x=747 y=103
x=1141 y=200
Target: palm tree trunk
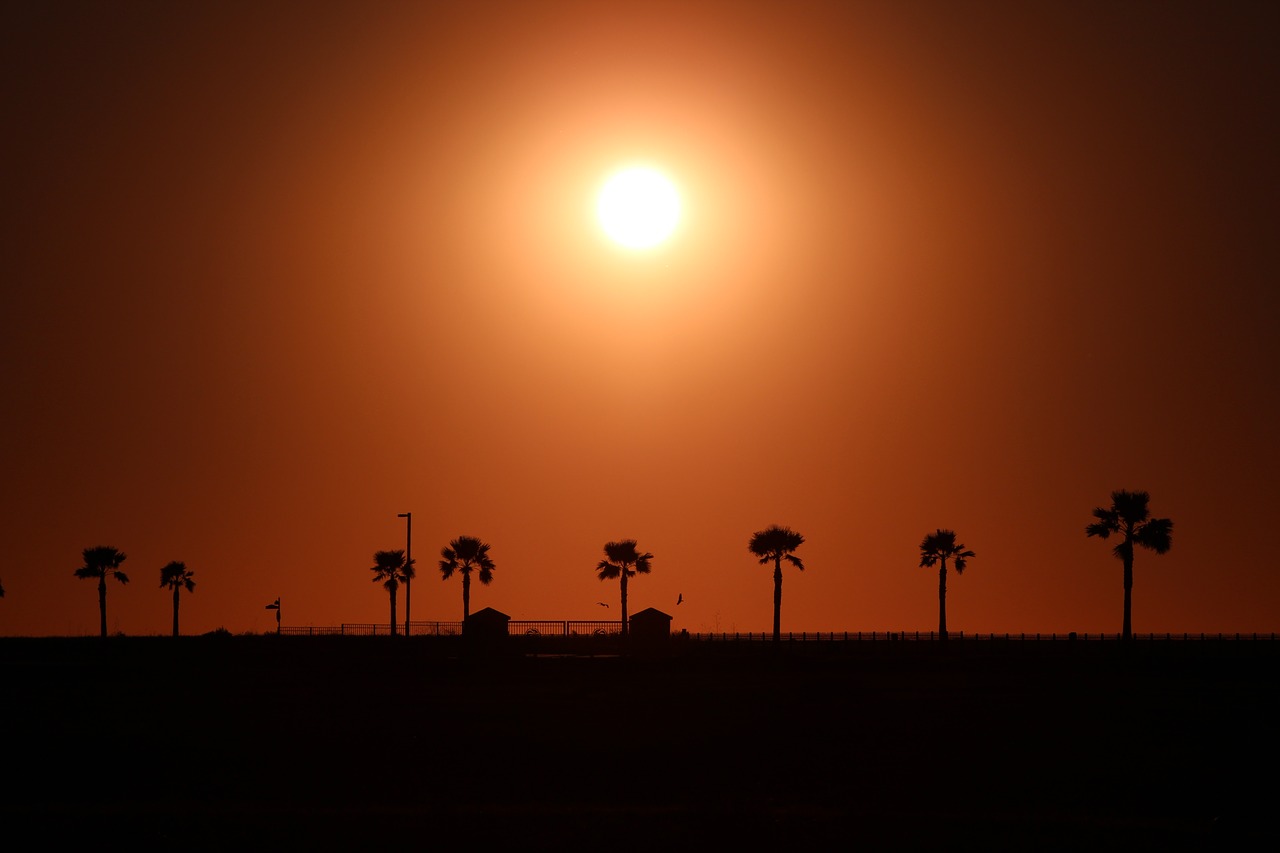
x=942 y=601
x=102 y=604
x=175 y=610
x=624 y=601
x=1127 y=632
x=392 y=593
x=777 y=599
x=466 y=596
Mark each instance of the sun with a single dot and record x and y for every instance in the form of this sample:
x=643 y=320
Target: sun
x=638 y=207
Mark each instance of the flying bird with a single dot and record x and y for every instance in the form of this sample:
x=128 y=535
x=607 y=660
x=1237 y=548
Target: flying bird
x=679 y=599
x=602 y=604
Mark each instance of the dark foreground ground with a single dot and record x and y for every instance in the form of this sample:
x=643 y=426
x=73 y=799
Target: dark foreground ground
x=224 y=743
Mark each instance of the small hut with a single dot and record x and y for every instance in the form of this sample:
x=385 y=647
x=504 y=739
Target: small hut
x=486 y=626
x=650 y=630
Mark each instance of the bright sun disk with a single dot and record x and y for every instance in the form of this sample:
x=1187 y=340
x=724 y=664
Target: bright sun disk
x=638 y=207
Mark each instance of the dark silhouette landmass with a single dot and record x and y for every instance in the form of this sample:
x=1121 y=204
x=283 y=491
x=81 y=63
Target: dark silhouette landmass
x=220 y=742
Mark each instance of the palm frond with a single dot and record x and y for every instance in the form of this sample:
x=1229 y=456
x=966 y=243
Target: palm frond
x=464 y=554
x=176 y=574
x=623 y=558
x=387 y=565
x=120 y=576
x=776 y=543
x=622 y=552
x=468 y=548
x=1106 y=516
x=1099 y=529
x=99 y=560
x=773 y=542
x=1130 y=507
x=1156 y=535
x=941 y=545
x=449 y=562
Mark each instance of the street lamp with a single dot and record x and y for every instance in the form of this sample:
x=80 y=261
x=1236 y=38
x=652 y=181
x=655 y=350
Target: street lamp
x=275 y=605
x=408 y=564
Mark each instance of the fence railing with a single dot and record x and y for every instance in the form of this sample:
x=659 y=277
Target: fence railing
x=566 y=628
x=543 y=627
x=597 y=628
x=375 y=629
x=931 y=636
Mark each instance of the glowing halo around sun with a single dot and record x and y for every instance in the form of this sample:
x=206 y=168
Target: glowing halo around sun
x=638 y=207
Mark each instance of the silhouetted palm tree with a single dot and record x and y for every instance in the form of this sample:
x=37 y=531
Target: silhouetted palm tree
x=175 y=576
x=391 y=569
x=98 y=563
x=938 y=547
x=773 y=545
x=462 y=555
x=623 y=561
x=1129 y=516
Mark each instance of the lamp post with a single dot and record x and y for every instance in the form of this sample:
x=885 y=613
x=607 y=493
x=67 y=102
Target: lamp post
x=408 y=563
x=275 y=605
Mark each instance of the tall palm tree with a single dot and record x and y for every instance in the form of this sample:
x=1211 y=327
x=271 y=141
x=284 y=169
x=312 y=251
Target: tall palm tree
x=390 y=568
x=937 y=548
x=773 y=545
x=623 y=561
x=99 y=562
x=462 y=555
x=1129 y=516
x=176 y=576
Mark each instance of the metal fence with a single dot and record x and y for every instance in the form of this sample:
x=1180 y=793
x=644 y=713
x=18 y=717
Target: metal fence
x=533 y=627
x=598 y=628
x=929 y=636
x=375 y=629
x=565 y=628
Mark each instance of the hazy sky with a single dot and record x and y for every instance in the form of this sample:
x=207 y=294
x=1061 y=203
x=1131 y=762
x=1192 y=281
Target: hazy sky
x=274 y=272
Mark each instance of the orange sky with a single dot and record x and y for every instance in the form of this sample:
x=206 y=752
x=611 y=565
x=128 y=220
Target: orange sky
x=272 y=276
